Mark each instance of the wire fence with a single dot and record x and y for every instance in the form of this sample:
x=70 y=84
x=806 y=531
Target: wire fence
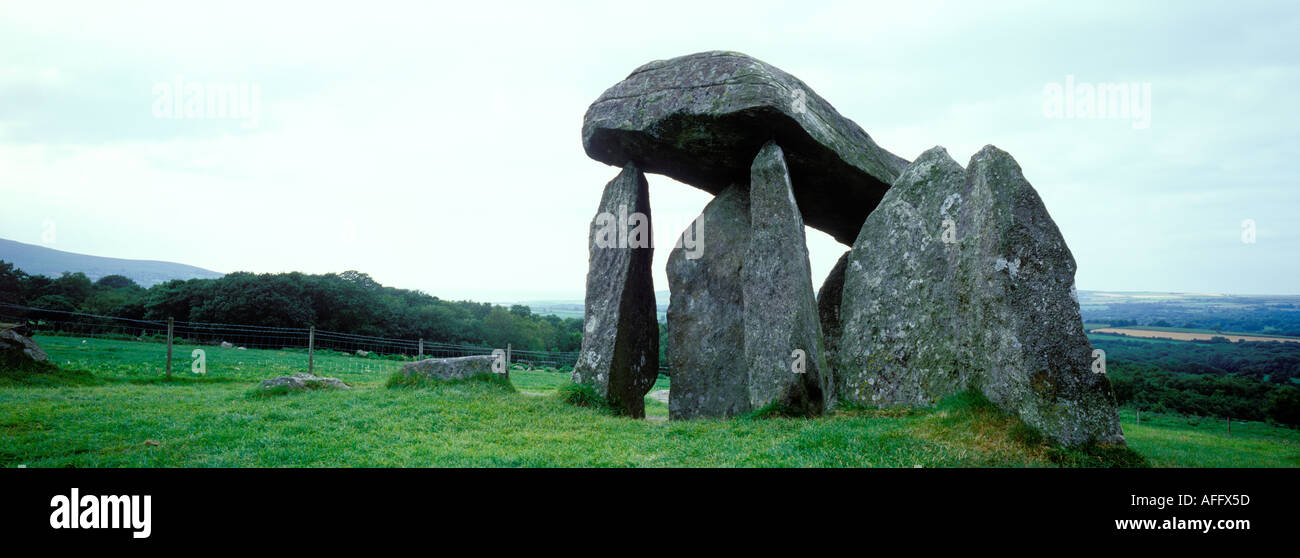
x=318 y=350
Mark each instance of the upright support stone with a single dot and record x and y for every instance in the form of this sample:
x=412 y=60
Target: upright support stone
x=829 y=299
x=961 y=280
x=783 y=338
x=706 y=337
x=1039 y=358
x=901 y=314
x=620 y=342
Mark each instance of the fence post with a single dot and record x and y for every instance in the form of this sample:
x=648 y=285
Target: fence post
x=311 y=349
x=1139 y=416
x=171 y=322
x=507 y=356
x=421 y=349
x=1229 y=426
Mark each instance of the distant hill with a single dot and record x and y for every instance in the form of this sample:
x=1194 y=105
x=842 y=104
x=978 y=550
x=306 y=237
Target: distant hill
x=39 y=260
x=1265 y=314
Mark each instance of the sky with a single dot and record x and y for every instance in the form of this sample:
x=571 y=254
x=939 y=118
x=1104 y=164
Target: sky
x=437 y=146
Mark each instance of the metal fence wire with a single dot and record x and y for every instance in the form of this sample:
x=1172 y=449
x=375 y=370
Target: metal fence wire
x=38 y=321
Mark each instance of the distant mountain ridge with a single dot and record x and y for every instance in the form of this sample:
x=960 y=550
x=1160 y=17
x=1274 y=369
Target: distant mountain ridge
x=39 y=260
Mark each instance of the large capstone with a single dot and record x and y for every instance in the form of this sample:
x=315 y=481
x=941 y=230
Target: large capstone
x=961 y=280
x=701 y=118
x=783 y=337
x=620 y=342
x=705 y=312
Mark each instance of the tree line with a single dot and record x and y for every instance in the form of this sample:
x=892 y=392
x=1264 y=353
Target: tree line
x=348 y=302
x=1150 y=387
x=1219 y=378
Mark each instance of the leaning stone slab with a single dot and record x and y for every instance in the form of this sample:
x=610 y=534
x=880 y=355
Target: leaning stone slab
x=783 y=337
x=300 y=382
x=706 y=340
x=701 y=118
x=961 y=280
x=620 y=341
x=455 y=368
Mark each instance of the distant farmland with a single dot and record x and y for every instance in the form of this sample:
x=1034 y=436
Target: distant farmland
x=1173 y=333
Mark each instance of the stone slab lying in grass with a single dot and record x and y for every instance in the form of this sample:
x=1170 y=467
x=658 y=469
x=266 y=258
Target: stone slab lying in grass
x=300 y=381
x=457 y=368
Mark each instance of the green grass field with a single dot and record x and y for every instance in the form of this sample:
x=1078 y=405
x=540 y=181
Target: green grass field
x=125 y=414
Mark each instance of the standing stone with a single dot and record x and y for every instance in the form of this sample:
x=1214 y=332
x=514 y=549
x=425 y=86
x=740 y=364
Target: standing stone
x=780 y=314
x=1039 y=358
x=620 y=342
x=829 y=298
x=961 y=280
x=706 y=337
x=901 y=316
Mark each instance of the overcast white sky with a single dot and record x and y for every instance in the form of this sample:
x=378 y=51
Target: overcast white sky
x=438 y=146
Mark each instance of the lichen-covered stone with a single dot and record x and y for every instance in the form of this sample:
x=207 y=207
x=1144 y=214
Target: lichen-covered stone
x=1039 y=358
x=19 y=348
x=960 y=279
x=901 y=315
x=706 y=312
x=454 y=368
x=701 y=118
x=829 y=298
x=780 y=312
x=620 y=341
x=303 y=381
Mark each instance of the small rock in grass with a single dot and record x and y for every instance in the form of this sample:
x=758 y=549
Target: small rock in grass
x=21 y=347
x=303 y=381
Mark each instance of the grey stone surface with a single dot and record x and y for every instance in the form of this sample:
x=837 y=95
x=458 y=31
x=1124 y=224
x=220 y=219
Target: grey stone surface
x=900 y=314
x=1039 y=358
x=302 y=381
x=829 y=298
x=706 y=313
x=780 y=311
x=701 y=118
x=620 y=342
x=960 y=279
x=455 y=368
x=20 y=347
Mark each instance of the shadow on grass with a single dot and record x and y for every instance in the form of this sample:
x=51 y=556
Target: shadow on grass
x=970 y=413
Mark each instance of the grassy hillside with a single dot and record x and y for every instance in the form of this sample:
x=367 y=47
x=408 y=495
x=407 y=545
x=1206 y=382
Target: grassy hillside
x=127 y=415
x=1170 y=440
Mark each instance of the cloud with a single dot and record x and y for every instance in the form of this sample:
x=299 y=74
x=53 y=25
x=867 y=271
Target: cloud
x=437 y=147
